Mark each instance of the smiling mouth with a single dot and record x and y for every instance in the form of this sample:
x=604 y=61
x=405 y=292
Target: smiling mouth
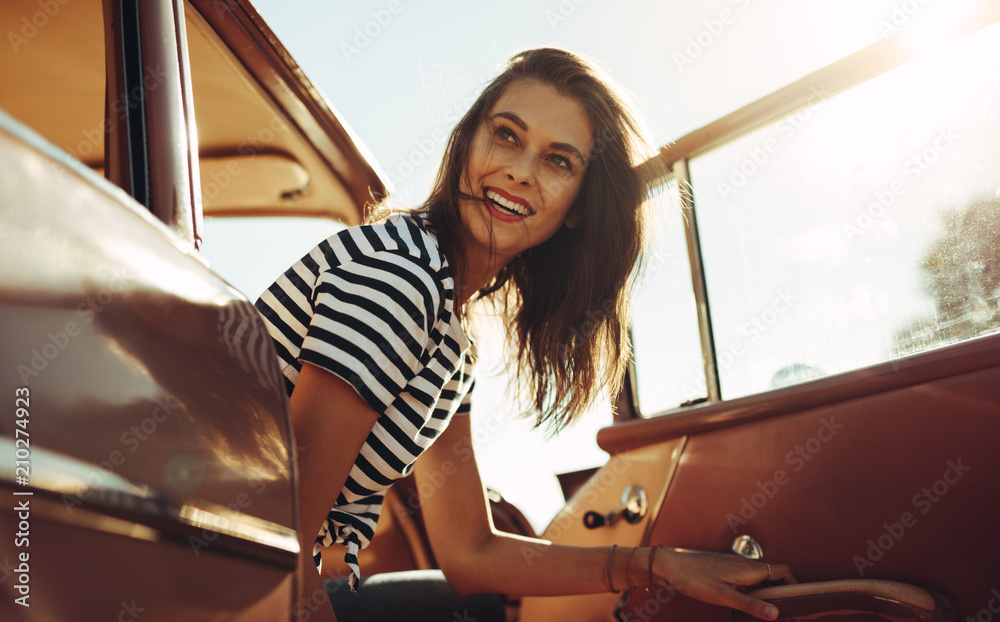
x=506 y=205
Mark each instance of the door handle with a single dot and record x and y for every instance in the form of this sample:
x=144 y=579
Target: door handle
x=889 y=600
x=633 y=509
x=748 y=547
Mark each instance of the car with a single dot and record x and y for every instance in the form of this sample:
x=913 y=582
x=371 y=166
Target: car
x=148 y=467
x=814 y=380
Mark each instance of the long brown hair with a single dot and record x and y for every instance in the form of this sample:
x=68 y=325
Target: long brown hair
x=566 y=302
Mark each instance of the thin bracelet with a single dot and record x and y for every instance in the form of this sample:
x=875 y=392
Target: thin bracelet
x=610 y=569
x=604 y=576
x=628 y=564
x=652 y=556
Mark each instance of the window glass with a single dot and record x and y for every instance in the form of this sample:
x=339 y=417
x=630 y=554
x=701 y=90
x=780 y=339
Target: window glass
x=251 y=253
x=668 y=361
x=861 y=229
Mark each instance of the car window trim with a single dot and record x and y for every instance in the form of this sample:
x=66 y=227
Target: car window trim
x=149 y=111
x=127 y=155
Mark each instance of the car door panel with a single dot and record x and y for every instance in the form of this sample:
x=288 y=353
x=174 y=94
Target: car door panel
x=649 y=467
x=897 y=485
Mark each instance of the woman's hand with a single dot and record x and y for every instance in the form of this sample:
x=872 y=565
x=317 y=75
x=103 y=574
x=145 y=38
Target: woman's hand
x=713 y=578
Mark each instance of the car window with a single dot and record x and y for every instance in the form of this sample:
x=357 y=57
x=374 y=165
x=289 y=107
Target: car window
x=863 y=228
x=668 y=361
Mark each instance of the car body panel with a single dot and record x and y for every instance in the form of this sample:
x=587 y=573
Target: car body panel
x=141 y=362
x=155 y=474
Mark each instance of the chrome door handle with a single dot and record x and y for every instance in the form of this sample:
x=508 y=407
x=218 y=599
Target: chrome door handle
x=633 y=509
x=748 y=547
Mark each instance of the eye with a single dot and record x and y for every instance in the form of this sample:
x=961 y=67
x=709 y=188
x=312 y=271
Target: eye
x=505 y=133
x=562 y=162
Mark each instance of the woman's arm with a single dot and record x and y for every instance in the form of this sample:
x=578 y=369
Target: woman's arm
x=330 y=423
x=476 y=558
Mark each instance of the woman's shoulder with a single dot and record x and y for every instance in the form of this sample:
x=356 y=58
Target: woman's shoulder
x=401 y=238
x=397 y=256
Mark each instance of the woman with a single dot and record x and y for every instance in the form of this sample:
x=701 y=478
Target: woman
x=538 y=208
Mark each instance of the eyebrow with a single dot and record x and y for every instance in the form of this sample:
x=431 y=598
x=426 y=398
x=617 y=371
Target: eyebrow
x=519 y=122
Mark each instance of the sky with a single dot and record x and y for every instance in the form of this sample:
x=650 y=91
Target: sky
x=401 y=72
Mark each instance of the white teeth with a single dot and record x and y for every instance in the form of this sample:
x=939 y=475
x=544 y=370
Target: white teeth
x=511 y=206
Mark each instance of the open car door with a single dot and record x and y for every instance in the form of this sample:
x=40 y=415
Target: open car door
x=818 y=381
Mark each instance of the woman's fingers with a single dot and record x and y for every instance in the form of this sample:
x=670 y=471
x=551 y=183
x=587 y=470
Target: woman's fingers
x=755 y=607
x=781 y=572
x=718 y=592
x=713 y=578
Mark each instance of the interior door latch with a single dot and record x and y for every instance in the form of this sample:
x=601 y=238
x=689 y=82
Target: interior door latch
x=633 y=509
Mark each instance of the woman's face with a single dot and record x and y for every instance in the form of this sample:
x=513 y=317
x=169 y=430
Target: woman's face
x=526 y=165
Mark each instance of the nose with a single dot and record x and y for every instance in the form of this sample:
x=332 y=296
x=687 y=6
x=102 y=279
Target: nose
x=520 y=169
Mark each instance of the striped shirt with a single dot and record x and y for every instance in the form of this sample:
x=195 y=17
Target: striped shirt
x=374 y=305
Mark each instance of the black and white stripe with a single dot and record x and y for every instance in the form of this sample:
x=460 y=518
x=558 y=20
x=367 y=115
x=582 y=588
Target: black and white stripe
x=375 y=305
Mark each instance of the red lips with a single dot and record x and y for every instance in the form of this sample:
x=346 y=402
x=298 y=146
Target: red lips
x=511 y=197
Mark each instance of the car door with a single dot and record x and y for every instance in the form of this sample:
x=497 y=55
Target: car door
x=818 y=376
x=148 y=468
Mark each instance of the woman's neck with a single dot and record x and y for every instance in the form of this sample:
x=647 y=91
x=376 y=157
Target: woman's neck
x=481 y=265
